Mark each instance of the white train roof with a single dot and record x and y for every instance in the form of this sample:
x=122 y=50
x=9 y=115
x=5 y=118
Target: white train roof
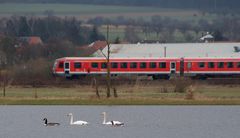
x=173 y=50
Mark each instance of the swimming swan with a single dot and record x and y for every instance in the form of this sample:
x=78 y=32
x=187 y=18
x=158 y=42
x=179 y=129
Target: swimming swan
x=50 y=124
x=112 y=123
x=80 y=122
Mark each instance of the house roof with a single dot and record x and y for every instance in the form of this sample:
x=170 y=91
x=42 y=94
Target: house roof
x=35 y=40
x=98 y=45
x=31 y=40
x=92 y=48
x=173 y=50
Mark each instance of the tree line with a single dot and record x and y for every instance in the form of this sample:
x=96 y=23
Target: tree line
x=169 y=30
x=224 y=28
x=48 y=28
x=61 y=37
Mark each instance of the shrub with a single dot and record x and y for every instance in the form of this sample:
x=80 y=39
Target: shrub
x=190 y=93
x=181 y=84
x=34 y=72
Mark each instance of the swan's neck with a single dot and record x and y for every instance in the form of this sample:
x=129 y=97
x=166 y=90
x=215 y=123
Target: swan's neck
x=104 y=118
x=71 y=119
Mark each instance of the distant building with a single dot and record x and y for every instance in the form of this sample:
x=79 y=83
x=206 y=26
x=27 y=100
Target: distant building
x=173 y=50
x=151 y=41
x=29 y=40
x=98 y=45
x=207 y=38
x=91 y=48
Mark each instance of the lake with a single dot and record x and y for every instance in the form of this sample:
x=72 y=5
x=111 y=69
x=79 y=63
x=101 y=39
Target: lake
x=140 y=122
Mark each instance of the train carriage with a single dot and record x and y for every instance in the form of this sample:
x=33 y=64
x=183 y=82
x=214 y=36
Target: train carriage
x=212 y=67
x=156 y=67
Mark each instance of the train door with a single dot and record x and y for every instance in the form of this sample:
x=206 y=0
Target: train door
x=67 y=68
x=172 y=67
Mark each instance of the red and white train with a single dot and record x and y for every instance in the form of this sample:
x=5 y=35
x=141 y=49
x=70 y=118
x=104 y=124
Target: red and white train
x=156 y=67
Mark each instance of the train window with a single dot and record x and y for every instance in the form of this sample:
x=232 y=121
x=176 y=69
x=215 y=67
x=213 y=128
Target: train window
x=104 y=65
x=143 y=65
x=238 y=65
x=114 y=65
x=189 y=65
x=220 y=65
x=173 y=65
x=133 y=65
x=60 y=65
x=124 y=65
x=77 y=65
x=210 y=64
x=229 y=64
x=66 y=65
x=201 y=64
x=94 y=65
x=162 y=64
x=152 y=65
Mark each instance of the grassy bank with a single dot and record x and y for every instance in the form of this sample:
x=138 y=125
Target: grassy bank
x=118 y=101
x=154 y=94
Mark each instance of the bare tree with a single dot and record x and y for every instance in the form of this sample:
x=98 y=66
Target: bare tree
x=3 y=62
x=31 y=23
x=6 y=80
x=96 y=87
x=108 y=64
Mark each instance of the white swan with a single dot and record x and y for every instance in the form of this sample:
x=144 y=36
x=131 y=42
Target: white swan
x=50 y=124
x=112 y=123
x=80 y=122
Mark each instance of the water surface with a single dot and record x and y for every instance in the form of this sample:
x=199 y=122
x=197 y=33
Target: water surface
x=141 y=122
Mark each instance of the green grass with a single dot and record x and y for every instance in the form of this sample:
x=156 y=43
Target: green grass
x=128 y=95
x=220 y=92
x=119 y=31
x=72 y=8
x=88 y=11
x=118 y=101
x=81 y=8
x=114 y=32
x=48 y=92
